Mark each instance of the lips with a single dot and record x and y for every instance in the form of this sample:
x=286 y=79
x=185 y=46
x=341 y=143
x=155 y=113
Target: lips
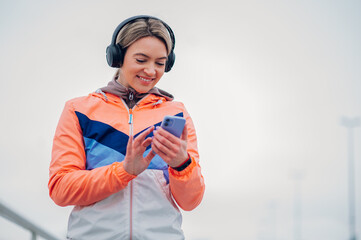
x=146 y=79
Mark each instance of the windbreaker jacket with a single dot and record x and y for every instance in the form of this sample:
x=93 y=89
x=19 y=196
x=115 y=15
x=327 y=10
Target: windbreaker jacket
x=87 y=171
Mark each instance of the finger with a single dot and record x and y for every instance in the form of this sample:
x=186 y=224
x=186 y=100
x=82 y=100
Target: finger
x=156 y=149
x=130 y=144
x=150 y=156
x=164 y=152
x=142 y=136
x=185 y=133
x=166 y=135
x=163 y=142
x=146 y=142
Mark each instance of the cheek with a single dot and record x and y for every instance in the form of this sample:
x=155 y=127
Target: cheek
x=129 y=64
x=130 y=70
x=160 y=73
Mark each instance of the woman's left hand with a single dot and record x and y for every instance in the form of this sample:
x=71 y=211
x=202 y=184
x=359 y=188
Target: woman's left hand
x=171 y=149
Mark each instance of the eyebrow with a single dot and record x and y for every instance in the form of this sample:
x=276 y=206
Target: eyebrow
x=144 y=55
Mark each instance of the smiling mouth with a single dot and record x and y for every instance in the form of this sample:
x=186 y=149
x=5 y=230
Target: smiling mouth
x=145 y=79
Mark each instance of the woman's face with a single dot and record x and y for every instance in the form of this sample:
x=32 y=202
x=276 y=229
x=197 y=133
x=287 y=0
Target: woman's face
x=144 y=64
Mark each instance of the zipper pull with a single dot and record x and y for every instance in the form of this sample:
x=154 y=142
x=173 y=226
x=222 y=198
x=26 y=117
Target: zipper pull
x=131 y=99
x=130 y=122
x=158 y=102
x=131 y=96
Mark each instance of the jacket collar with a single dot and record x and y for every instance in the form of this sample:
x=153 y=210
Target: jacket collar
x=132 y=97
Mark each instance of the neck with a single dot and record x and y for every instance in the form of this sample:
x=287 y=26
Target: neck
x=119 y=78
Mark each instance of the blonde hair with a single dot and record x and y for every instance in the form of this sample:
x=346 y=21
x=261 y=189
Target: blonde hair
x=144 y=27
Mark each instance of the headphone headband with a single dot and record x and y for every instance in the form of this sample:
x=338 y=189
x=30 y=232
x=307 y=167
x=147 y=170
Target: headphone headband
x=115 y=52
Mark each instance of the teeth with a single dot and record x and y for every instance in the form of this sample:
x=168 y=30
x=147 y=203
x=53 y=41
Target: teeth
x=147 y=80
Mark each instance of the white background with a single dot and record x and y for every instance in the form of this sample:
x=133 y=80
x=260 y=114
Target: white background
x=266 y=83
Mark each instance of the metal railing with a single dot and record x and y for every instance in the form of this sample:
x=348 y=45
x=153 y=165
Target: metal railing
x=21 y=221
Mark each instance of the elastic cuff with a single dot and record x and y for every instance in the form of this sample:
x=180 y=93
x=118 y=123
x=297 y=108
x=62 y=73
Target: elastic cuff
x=184 y=165
x=121 y=173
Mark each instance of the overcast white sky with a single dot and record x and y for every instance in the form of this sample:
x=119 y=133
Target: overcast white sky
x=266 y=83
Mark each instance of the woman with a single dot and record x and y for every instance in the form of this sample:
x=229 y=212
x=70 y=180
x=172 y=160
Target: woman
x=125 y=175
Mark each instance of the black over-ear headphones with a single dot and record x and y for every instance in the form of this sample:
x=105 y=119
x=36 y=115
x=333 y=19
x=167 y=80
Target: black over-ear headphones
x=115 y=52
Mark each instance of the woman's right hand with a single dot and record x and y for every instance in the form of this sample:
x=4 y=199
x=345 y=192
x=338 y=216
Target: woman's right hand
x=134 y=162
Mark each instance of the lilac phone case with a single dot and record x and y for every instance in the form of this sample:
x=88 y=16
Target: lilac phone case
x=174 y=125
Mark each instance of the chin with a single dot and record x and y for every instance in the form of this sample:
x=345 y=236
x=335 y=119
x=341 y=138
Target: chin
x=142 y=89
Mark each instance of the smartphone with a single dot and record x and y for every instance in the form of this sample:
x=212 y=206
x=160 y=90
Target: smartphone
x=174 y=125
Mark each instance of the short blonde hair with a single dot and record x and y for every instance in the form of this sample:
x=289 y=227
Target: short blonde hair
x=144 y=27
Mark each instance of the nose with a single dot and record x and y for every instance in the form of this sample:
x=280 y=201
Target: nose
x=150 y=70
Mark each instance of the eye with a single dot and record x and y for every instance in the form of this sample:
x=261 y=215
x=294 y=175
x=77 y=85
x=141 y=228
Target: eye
x=160 y=63
x=140 y=60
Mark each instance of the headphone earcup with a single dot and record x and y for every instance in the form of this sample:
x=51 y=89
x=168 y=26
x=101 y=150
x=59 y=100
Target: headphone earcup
x=170 y=61
x=115 y=55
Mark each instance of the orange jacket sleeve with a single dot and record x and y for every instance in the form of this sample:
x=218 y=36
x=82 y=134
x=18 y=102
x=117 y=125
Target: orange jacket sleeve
x=70 y=183
x=187 y=186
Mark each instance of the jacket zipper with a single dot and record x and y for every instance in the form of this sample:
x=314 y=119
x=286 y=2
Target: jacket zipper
x=131 y=211
x=130 y=122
